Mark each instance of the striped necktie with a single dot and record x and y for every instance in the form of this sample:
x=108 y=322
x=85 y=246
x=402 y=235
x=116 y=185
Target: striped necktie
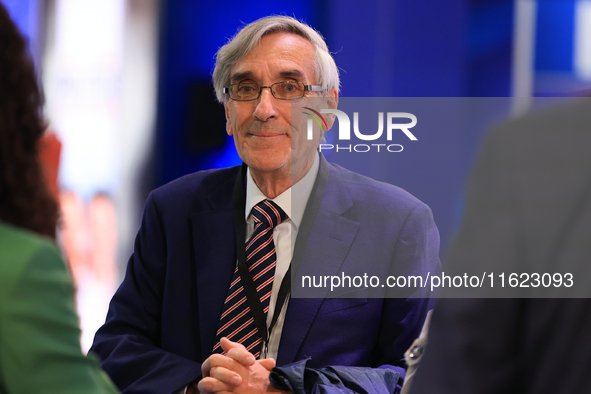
x=237 y=322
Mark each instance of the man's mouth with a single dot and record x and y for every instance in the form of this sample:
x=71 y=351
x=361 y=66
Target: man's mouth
x=266 y=134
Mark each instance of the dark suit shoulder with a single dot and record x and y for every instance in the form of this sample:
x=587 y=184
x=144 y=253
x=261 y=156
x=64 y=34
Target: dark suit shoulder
x=198 y=190
x=551 y=135
x=207 y=180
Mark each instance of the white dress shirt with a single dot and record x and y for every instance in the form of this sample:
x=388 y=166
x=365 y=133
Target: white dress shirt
x=293 y=202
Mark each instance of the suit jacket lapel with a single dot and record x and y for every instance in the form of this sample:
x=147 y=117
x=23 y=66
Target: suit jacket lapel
x=323 y=241
x=214 y=255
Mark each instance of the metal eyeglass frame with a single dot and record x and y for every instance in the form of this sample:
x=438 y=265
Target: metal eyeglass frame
x=307 y=88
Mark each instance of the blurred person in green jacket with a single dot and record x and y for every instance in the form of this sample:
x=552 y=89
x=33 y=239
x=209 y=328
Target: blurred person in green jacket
x=39 y=334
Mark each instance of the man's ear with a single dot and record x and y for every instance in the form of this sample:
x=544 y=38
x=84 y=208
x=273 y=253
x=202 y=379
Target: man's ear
x=228 y=123
x=332 y=102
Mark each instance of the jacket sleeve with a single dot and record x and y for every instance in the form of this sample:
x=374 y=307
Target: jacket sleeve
x=129 y=343
x=39 y=334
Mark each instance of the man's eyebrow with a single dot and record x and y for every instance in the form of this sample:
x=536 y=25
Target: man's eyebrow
x=297 y=74
x=292 y=74
x=240 y=76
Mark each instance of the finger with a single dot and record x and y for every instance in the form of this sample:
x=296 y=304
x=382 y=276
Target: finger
x=216 y=360
x=194 y=389
x=241 y=356
x=211 y=385
x=224 y=375
x=237 y=352
x=268 y=363
x=227 y=344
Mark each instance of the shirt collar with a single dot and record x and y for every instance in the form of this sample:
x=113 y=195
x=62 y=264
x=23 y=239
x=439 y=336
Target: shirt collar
x=293 y=201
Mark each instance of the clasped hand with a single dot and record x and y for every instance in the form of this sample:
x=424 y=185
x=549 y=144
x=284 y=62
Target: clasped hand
x=236 y=372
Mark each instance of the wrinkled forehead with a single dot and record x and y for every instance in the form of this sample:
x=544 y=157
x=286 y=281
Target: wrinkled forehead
x=282 y=55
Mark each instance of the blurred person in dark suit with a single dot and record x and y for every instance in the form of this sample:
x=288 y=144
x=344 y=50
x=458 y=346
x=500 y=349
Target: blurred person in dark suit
x=39 y=334
x=528 y=210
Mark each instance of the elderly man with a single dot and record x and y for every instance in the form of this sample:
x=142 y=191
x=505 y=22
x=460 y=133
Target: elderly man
x=201 y=310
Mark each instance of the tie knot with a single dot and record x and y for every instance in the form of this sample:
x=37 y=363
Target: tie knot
x=268 y=213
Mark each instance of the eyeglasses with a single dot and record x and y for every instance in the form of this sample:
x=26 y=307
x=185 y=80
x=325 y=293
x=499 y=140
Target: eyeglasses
x=287 y=90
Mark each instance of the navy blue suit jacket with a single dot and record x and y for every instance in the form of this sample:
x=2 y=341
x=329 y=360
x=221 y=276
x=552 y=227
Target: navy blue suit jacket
x=163 y=319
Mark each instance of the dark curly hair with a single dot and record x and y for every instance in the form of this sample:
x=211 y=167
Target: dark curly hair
x=25 y=200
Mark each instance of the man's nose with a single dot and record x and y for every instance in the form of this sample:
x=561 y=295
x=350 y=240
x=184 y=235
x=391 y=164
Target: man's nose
x=265 y=105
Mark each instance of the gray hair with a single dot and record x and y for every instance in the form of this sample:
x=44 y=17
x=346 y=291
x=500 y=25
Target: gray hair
x=325 y=68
